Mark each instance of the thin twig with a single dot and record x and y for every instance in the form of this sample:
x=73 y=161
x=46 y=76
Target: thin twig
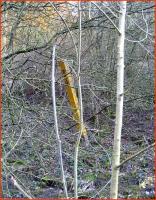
x=107 y=17
x=136 y=154
x=20 y=188
x=14 y=145
x=66 y=27
x=109 y=105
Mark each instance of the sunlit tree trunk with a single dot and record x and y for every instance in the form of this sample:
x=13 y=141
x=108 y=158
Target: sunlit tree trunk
x=119 y=103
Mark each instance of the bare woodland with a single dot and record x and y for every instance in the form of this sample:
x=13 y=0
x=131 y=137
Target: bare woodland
x=78 y=99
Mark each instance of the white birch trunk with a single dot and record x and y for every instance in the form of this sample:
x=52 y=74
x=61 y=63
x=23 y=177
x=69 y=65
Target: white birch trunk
x=81 y=109
x=56 y=123
x=119 y=103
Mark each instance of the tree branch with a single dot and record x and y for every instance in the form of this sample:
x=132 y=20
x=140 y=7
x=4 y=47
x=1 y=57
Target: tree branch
x=136 y=154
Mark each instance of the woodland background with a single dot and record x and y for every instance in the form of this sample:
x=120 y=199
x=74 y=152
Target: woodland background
x=30 y=151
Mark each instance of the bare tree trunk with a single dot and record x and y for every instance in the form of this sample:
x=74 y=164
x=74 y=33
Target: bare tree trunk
x=81 y=109
x=119 y=103
x=56 y=123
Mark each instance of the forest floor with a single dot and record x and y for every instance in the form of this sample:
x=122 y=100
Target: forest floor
x=34 y=163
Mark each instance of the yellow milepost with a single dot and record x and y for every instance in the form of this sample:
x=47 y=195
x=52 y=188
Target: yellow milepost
x=71 y=94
